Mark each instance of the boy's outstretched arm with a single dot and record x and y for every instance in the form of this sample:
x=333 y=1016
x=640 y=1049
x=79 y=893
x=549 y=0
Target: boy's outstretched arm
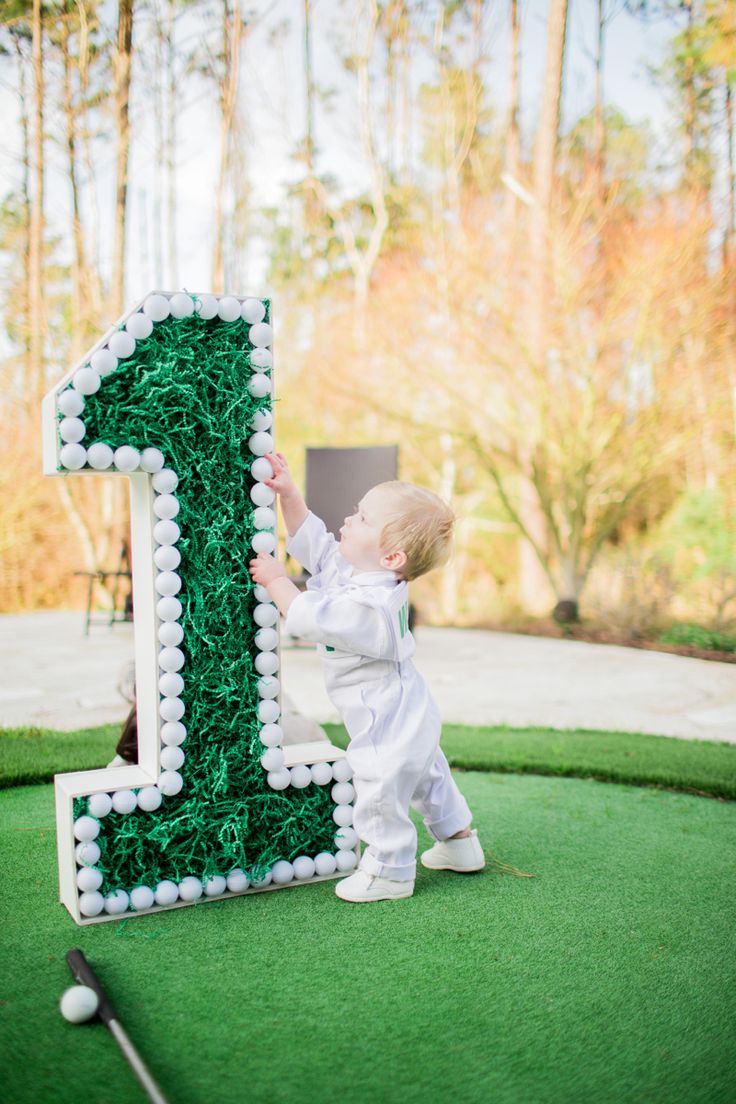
x=267 y=571
x=293 y=506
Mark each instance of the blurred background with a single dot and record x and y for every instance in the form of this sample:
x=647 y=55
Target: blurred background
x=497 y=233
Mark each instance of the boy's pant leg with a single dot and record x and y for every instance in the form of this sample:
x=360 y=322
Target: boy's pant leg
x=381 y=819
x=438 y=799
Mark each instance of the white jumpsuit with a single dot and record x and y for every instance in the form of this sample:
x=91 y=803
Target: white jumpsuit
x=360 y=623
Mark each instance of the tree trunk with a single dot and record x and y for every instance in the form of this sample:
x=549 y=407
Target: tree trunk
x=171 y=196
x=598 y=128
x=79 y=265
x=513 y=143
x=533 y=585
x=122 y=68
x=232 y=31
x=37 y=299
x=25 y=305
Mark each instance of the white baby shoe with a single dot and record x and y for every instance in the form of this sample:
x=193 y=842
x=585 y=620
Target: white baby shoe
x=463 y=855
x=367 y=887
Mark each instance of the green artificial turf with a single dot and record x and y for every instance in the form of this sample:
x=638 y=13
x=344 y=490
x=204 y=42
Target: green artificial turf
x=35 y=755
x=608 y=977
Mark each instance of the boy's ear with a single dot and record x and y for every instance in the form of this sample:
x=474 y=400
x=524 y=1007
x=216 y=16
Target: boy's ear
x=394 y=561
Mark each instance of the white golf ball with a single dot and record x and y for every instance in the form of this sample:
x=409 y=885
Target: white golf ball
x=74 y=429
x=272 y=759
x=301 y=776
x=261 y=420
x=279 y=780
x=206 y=306
x=342 y=771
x=264 y=880
x=266 y=640
x=89 y=879
x=166 y=532
x=170 y=783
x=168 y=583
x=168 y=609
x=271 y=735
x=166 y=557
x=124 y=801
x=265 y=615
x=215 y=885
x=267 y=663
x=173 y=733
x=117 y=902
x=261 y=594
x=100 y=456
x=79 y=1004
x=268 y=711
x=253 y=311
x=166 y=893
x=228 y=308
x=171 y=684
x=86 y=381
x=142 y=898
x=127 y=458
x=170 y=634
x=139 y=326
x=87 y=854
x=166 y=506
x=103 y=362
x=73 y=456
x=152 y=460
x=263 y=542
x=264 y=518
x=343 y=815
x=86 y=828
x=346 y=838
x=122 y=344
x=261 y=468
x=171 y=709
x=181 y=305
x=91 y=904
x=342 y=793
x=237 y=880
x=171 y=659
x=260 y=334
x=346 y=860
x=262 y=495
x=261 y=358
x=259 y=385
x=282 y=872
x=304 y=867
x=190 y=889
x=71 y=404
x=325 y=863
x=156 y=307
x=165 y=481
x=269 y=687
x=258 y=443
x=321 y=773
x=149 y=799
x=171 y=758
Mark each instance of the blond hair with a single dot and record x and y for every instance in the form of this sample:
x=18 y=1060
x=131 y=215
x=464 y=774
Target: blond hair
x=418 y=523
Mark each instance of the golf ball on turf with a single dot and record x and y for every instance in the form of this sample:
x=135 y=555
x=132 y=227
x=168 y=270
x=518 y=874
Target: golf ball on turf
x=78 y=1004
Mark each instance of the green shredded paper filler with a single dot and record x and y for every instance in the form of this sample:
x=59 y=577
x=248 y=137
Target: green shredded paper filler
x=184 y=391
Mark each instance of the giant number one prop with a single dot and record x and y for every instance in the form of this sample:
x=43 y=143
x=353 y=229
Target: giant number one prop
x=178 y=398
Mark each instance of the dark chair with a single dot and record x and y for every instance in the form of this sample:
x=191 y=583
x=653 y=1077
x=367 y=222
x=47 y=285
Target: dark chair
x=121 y=608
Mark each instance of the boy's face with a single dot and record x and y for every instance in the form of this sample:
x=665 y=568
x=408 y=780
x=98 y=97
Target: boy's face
x=360 y=535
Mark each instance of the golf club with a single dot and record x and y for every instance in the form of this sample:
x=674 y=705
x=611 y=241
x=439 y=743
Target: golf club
x=83 y=973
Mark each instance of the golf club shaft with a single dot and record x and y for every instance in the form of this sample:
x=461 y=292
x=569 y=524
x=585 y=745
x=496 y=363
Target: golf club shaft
x=135 y=1062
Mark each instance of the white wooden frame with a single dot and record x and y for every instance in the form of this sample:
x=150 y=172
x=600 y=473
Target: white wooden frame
x=78 y=784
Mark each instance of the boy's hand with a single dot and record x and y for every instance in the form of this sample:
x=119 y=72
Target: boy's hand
x=281 y=482
x=264 y=569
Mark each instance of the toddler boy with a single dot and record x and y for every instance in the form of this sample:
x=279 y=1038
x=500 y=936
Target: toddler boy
x=356 y=609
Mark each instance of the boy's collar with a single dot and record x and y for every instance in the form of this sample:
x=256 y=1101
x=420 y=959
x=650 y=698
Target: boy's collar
x=375 y=578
